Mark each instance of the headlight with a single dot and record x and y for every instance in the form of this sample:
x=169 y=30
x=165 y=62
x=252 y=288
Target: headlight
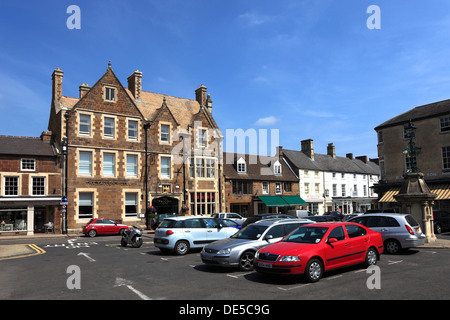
x=289 y=259
x=224 y=251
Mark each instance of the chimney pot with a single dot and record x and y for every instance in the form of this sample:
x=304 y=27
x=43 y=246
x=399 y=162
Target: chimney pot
x=84 y=88
x=349 y=155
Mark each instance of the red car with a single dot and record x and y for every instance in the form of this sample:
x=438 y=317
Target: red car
x=315 y=248
x=101 y=226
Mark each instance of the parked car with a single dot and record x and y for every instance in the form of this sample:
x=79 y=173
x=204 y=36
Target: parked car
x=399 y=231
x=229 y=223
x=227 y=215
x=239 y=250
x=387 y=210
x=180 y=234
x=339 y=216
x=266 y=216
x=316 y=248
x=441 y=221
x=323 y=218
x=299 y=213
x=101 y=226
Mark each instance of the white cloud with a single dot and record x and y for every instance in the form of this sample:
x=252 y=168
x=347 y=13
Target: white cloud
x=266 y=121
x=254 y=19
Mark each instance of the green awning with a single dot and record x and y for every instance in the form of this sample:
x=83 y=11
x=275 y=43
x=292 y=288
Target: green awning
x=294 y=201
x=273 y=201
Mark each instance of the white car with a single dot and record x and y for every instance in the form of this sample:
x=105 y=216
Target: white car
x=228 y=215
x=180 y=234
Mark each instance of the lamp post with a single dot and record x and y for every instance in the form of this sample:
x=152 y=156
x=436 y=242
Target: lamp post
x=146 y=127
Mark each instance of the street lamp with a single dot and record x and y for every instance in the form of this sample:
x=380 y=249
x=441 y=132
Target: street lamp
x=411 y=150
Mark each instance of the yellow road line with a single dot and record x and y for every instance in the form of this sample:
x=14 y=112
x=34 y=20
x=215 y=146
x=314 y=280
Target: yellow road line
x=34 y=247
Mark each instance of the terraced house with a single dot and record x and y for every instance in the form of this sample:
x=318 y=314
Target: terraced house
x=132 y=152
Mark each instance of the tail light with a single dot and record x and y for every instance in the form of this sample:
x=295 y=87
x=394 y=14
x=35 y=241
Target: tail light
x=411 y=232
x=169 y=232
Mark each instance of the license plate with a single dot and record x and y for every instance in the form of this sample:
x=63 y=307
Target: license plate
x=264 y=265
x=206 y=257
x=418 y=230
x=158 y=240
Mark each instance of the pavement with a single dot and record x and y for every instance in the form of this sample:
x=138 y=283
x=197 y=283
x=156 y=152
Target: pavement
x=12 y=251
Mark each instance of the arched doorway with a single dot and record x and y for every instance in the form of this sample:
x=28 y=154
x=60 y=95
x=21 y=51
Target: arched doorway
x=165 y=205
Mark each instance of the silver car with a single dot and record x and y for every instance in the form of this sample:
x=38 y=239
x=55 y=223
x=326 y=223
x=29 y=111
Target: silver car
x=180 y=234
x=399 y=231
x=239 y=250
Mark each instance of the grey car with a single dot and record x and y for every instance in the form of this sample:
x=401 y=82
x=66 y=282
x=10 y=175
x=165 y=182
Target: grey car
x=239 y=250
x=399 y=231
x=180 y=234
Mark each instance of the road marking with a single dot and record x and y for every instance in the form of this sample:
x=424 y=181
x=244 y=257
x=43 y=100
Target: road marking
x=239 y=275
x=335 y=277
x=37 y=250
x=394 y=262
x=172 y=258
x=297 y=287
x=87 y=256
x=123 y=282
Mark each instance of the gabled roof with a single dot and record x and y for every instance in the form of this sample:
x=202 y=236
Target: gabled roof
x=25 y=146
x=418 y=113
x=254 y=170
x=323 y=162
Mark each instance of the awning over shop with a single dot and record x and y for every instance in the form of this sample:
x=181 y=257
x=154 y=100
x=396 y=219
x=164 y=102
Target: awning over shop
x=282 y=201
x=442 y=191
x=294 y=201
x=273 y=201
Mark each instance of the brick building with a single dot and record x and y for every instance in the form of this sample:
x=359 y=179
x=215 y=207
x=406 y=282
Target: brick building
x=259 y=184
x=110 y=129
x=30 y=188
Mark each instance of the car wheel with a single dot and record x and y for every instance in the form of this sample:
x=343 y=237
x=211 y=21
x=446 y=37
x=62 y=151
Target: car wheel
x=246 y=261
x=371 y=257
x=92 y=233
x=392 y=246
x=314 y=270
x=181 y=247
x=437 y=229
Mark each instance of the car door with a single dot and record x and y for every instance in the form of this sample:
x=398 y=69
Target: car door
x=358 y=241
x=336 y=253
x=99 y=226
x=214 y=231
x=194 y=230
x=109 y=226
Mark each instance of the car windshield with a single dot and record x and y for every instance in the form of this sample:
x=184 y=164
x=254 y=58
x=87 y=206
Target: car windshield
x=251 y=232
x=306 y=235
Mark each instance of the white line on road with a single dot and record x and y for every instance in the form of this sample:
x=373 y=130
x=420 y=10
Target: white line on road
x=297 y=287
x=87 y=256
x=394 y=262
x=123 y=282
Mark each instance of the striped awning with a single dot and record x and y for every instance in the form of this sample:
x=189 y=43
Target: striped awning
x=442 y=191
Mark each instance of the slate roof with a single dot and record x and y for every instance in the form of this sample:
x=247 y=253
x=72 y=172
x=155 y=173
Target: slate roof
x=254 y=169
x=323 y=162
x=27 y=146
x=418 y=113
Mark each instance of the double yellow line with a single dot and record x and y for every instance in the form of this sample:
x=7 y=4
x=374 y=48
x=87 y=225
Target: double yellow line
x=37 y=251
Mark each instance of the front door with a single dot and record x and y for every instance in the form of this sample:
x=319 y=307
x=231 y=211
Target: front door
x=165 y=205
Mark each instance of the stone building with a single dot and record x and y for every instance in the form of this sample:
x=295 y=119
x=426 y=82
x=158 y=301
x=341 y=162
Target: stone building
x=432 y=137
x=30 y=188
x=114 y=133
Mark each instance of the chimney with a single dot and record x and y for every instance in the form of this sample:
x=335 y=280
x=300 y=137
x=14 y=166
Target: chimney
x=84 y=88
x=362 y=158
x=209 y=103
x=349 y=155
x=135 y=84
x=279 y=153
x=46 y=136
x=331 y=151
x=57 y=79
x=375 y=160
x=200 y=95
x=307 y=148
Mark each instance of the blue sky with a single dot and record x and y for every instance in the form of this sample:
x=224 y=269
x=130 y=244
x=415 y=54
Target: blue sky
x=311 y=69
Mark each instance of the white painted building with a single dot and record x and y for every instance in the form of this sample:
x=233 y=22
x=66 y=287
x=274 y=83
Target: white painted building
x=331 y=183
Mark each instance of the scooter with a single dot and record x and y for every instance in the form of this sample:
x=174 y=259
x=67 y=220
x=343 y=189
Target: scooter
x=133 y=237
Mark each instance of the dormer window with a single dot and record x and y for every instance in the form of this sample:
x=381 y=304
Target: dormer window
x=110 y=94
x=241 y=166
x=277 y=167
